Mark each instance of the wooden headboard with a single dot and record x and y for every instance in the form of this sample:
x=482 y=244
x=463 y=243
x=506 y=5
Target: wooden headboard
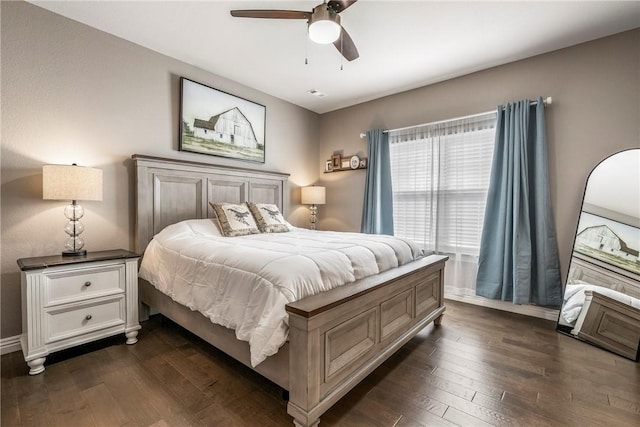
x=598 y=273
x=169 y=191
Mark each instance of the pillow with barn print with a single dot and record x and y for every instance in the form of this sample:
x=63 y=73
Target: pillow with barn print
x=268 y=218
x=234 y=219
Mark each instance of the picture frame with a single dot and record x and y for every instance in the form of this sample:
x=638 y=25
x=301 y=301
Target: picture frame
x=328 y=166
x=345 y=164
x=363 y=163
x=336 y=162
x=216 y=123
x=608 y=241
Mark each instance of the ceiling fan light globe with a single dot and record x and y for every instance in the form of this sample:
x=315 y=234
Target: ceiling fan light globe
x=324 y=31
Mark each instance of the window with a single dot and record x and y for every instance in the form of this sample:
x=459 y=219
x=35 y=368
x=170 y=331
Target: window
x=440 y=176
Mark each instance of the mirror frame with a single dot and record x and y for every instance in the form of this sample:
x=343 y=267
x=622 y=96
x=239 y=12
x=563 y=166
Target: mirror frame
x=565 y=329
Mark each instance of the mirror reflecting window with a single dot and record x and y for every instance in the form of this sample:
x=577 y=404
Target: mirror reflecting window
x=601 y=303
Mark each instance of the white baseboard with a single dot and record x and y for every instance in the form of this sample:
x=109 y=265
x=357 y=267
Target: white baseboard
x=10 y=344
x=468 y=296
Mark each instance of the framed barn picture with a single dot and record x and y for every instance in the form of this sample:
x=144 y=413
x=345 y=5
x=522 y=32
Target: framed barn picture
x=609 y=241
x=220 y=124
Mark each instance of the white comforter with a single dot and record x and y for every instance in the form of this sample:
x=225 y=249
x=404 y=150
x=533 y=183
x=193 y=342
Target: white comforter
x=244 y=283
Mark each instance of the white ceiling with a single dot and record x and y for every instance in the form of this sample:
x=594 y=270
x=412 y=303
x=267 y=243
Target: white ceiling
x=402 y=44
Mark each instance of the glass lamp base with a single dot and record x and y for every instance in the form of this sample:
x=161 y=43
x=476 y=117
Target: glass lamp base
x=74 y=228
x=314 y=217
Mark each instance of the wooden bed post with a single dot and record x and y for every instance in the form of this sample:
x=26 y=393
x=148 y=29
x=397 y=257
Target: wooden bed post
x=304 y=372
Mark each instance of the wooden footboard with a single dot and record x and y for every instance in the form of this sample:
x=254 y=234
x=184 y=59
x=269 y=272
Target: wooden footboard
x=610 y=324
x=338 y=337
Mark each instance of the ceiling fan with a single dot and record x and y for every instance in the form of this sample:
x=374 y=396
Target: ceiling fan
x=323 y=21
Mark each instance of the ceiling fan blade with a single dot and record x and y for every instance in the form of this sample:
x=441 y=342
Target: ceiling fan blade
x=340 y=5
x=272 y=14
x=346 y=46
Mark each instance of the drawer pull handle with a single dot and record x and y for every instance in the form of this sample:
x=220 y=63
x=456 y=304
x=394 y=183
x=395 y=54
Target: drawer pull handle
x=88 y=317
x=87 y=284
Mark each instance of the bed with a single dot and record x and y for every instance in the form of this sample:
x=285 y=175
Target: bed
x=337 y=337
x=610 y=324
x=602 y=306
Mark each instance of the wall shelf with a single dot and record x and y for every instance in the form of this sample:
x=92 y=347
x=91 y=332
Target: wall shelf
x=346 y=169
x=337 y=163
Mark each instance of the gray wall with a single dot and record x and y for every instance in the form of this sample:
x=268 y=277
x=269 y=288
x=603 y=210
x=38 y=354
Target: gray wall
x=596 y=112
x=70 y=94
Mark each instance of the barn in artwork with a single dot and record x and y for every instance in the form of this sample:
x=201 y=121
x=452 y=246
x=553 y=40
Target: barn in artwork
x=230 y=127
x=600 y=237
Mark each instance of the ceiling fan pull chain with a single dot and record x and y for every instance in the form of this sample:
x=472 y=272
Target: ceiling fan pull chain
x=306 y=48
x=341 y=50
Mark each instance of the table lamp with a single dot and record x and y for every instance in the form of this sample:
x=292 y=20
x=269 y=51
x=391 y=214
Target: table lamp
x=64 y=182
x=313 y=196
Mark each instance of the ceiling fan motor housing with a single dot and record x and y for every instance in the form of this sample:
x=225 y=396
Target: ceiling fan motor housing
x=324 y=25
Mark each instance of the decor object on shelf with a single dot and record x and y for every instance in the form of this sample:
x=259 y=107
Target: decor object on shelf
x=71 y=301
x=338 y=163
x=354 y=162
x=220 y=124
x=64 y=182
x=313 y=196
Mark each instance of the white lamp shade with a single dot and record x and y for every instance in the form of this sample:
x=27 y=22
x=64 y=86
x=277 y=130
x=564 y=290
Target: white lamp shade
x=64 y=182
x=313 y=195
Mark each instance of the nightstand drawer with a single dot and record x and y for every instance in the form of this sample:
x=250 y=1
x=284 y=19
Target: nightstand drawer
x=66 y=323
x=66 y=286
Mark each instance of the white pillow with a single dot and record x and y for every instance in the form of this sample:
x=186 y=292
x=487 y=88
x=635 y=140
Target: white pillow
x=235 y=219
x=268 y=218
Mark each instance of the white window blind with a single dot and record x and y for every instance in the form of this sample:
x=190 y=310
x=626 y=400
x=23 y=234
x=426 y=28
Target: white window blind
x=440 y=176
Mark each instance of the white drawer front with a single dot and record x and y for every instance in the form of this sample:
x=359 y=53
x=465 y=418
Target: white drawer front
x=87 y=318
x=79 y=284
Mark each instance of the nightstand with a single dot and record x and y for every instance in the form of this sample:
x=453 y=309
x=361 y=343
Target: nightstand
x=67 y=301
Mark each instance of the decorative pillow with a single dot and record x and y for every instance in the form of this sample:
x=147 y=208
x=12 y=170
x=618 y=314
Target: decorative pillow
x=234 y=220
x=268 y=218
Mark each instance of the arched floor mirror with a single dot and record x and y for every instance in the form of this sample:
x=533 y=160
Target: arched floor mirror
x=601 y=303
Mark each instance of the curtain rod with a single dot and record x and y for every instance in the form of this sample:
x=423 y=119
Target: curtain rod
x=546 y=101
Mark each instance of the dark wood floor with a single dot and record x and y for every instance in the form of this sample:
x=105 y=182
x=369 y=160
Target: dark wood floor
x=481 y=367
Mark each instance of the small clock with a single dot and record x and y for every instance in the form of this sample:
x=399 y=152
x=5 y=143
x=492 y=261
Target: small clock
x=354 y=162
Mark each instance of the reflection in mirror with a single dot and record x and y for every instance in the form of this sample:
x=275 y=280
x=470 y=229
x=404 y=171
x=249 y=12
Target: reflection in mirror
x=601 y=303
